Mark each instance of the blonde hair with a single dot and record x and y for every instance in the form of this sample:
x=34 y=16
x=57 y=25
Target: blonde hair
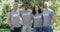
x=15 y=3
x=46 y=3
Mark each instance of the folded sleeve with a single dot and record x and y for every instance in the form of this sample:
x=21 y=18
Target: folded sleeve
x=8 y=14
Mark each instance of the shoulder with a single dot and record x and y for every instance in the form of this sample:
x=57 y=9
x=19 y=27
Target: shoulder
x=21 y=10
x=50 y=10
x=30 y=10
x=41 y=14
x=9 y=13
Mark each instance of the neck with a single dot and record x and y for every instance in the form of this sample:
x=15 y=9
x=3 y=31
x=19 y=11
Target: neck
x=36 y=12
x=26 y=9
x=15 y=10
x=46 y=8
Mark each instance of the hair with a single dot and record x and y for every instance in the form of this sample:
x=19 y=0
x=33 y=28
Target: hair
x=46 y=3
x=34 y=12
x=15 y=3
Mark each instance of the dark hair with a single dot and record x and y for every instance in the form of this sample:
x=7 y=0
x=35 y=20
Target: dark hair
x=34 y=12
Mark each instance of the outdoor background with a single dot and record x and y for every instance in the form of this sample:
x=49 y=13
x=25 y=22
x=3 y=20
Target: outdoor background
x=7 y=5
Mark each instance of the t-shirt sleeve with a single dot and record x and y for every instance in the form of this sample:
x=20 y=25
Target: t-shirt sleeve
x=20 y=12
x=32 y=16
x=42 y=16
x=52 y=13
x=8 y=14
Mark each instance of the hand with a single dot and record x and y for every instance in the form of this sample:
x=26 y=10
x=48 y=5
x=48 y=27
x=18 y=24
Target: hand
x=11 y=27
x=51 y=23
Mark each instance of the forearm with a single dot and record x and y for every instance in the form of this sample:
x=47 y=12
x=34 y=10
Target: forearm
x=53 y=20
x=10 y=25
x=8 y=22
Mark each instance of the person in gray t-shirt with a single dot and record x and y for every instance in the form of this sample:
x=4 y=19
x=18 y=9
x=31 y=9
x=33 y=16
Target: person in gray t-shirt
x=37 y=18
x=49 y=18
x=26 y=18
x=13 y=19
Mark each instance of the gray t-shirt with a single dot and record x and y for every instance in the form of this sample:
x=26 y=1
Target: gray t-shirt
x=26 y=17
x=15 y=18
x=47 y=15
x=37 y=20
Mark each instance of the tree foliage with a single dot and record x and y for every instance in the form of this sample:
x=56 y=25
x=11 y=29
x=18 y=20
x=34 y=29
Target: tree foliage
x=55 y=6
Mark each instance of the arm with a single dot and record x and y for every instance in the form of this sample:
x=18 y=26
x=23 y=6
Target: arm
x=53 y=20
x=8 y=22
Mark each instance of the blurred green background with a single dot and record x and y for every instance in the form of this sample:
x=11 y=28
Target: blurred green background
x=5 y=7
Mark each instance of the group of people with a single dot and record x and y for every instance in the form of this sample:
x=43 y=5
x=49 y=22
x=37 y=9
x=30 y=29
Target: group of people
x=43 y=20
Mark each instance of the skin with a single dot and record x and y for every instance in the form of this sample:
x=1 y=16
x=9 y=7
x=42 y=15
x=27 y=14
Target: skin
x=15 y=7
x=46 y=6
x=53 y=20
x=36 y=9
x=26 y=6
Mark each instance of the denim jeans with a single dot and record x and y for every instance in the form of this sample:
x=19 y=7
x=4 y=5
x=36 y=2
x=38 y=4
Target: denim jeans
x=36 y=29
x=16 y=29
x=26 y=29
x=47 y=29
